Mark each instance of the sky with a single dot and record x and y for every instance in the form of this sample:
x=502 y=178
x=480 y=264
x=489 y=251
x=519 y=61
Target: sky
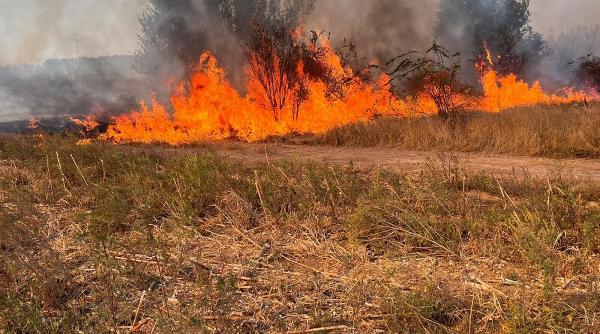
x=32 y=31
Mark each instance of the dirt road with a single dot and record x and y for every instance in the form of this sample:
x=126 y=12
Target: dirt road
x=406 y=161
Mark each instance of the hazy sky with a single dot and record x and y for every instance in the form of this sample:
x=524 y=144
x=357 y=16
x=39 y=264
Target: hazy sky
x=34 y=30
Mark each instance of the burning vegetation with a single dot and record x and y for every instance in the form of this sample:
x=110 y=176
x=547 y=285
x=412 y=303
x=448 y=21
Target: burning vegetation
x=284 y=97
x=249 y=71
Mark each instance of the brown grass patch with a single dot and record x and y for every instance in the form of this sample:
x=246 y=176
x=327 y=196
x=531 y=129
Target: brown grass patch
x=552 y=131
x=132 y=242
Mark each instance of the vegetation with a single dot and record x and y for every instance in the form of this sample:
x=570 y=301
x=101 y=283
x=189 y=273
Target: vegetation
x=503 y=26
x=436 y=74
x=588 y=71
x=179 y=31
x=550 y=131
x=102 y=238
x=275 y=53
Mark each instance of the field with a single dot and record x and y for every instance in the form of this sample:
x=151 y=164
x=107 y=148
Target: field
x=236 y=238
x=559 y=131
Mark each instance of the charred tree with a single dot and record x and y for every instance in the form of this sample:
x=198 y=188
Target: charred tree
x=501 y=25
x=435 y=73
x=283 y=63
x=588 y=72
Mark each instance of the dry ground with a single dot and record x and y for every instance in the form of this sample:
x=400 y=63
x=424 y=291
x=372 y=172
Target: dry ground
x=399 y=160
x=101 y=238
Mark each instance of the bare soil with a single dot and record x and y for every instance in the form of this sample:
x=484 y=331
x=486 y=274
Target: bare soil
x=403 y=160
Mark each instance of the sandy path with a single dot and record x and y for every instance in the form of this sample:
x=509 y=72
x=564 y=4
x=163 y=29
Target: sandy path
x=406 y=161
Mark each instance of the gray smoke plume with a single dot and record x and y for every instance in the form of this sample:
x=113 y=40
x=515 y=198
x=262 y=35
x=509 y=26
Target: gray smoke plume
x=567 y=49
x=103 y=86
x=551 y=17
x=380 y=29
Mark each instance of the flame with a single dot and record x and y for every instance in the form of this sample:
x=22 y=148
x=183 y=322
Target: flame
x=488 y=54
x=209 y=108
x=84 y=142
x=33 y=124
x=88 y=123
x=505 y=92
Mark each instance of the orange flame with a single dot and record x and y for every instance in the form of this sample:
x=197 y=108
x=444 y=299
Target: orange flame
x=33 y=124
x=507 y=92
x=488 y=54
x=88 y=123
x=209 y=108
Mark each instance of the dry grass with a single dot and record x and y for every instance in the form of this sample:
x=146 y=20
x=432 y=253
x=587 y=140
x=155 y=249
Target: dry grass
x=553 y=131
x=116 y=241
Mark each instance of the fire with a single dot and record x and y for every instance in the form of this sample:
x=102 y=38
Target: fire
x=505 y=92
x=501 y=93
x=488 y=54
x=209 y=108
x=88 y=123
x=33 y=124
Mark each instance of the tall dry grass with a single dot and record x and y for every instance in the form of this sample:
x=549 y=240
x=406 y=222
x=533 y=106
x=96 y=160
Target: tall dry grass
x=545 y=130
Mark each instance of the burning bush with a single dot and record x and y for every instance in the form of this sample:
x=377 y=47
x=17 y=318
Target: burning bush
x=434 y=75
x=501 y=24
x=282 y=63
x=588 y=71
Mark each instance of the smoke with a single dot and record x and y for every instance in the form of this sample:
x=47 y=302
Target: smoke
x=103 y=86
x=568 y=49
x=38 y=31
x=176 y=33
x=551 y=17
x=32 y=31
x=380 y=29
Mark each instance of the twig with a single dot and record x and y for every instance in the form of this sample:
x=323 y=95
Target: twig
x=139 y=326
x=79 y=170
x=103 y=170
x=153 y=328
x=137 y=312
x=48 y=172
x=332 y=202
x=245 y=236
x=505 y=194
x=321 y=329
x=471 y=312
x=267 y=158
x=260 y=197
x=62 y=174
x=324 y=273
